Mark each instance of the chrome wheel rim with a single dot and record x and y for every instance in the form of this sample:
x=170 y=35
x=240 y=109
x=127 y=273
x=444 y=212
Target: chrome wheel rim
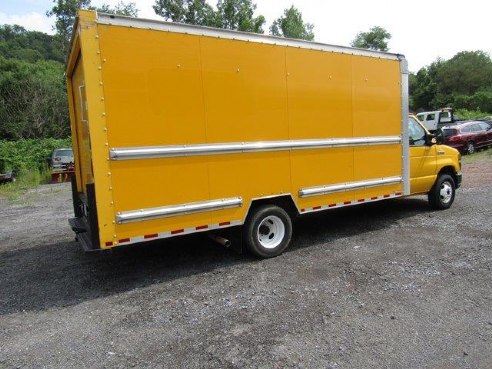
x=446 y=192
x=471 y=148
x=271 y=232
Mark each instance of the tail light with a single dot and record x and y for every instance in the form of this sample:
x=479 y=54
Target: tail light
x=454 y=138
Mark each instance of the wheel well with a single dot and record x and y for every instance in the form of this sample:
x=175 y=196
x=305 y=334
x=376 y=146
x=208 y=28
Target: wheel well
x=450 y=171
x=284 y=201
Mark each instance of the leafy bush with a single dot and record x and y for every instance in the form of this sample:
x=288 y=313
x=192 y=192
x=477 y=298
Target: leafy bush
x=29 y=154
x=481 y=101
x=471 y=114
x=33 y=100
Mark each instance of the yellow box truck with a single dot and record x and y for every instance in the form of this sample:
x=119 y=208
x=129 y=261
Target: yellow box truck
x=180 y=129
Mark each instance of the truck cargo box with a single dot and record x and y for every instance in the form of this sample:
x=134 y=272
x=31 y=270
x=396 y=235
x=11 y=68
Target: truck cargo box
x=180 y=129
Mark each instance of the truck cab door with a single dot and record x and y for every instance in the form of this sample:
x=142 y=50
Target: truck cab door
x=423 y=162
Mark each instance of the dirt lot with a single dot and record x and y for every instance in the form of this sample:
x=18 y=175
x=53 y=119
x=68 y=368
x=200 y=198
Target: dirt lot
x=386 y=285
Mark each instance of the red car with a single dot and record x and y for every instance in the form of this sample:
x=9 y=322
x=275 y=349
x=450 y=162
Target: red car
x=469 y=136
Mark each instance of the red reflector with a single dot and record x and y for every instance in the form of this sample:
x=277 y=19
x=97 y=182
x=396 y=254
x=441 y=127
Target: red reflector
x=361 y=200
x=374 y=198
x=201 y=227
x=303 y=210
x=386 y=196
x=177 y=231
x=347 y=202
x=398 y=194
x=124 y=240
x=224 y=224
x=109 y=243
x=153 y=235
x=332 y=205
x=317 y=207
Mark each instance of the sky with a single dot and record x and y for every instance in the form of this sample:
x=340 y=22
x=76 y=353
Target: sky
x=422 y=30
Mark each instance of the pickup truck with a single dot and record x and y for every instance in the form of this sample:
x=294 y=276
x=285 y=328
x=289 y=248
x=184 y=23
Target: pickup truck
x=433 y=120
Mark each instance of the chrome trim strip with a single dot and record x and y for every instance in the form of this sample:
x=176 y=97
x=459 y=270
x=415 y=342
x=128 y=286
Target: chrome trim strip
x=349 y=186
x=151 y=152
x=117 y=20
x=174 y=210
x=404 y=126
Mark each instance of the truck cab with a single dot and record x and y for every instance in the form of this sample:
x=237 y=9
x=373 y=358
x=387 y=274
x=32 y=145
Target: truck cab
x=430 y=161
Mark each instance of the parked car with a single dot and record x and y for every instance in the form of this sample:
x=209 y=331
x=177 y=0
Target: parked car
x=6 y=175
x=468 y=137
x=61 y=158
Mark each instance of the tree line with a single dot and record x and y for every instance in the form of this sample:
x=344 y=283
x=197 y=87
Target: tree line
x=33 y=101
x=462 y=82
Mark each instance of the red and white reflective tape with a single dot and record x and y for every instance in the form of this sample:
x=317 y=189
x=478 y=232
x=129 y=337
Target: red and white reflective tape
x=175 y=232
x=349 y=203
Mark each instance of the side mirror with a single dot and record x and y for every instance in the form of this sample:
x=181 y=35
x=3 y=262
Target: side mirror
x=430 y=139
x=439 y=136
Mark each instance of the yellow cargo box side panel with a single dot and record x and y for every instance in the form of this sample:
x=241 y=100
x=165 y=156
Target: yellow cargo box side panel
x=244 y=89
x=154 y=98
x=153 y=87
x=376 y=97
x=319 y=94
x=320 y=106
x=170 y=111
x=377 y=112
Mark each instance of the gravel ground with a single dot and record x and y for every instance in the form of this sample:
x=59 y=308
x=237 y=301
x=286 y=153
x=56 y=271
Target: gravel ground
x=384 y=285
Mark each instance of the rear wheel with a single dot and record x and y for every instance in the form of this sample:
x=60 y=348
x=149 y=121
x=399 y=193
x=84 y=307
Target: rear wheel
x=441 y=195
x=470 y=147
x=268 y=231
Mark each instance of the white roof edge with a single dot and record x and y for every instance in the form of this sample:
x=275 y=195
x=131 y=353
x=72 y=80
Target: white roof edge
x=118 y=20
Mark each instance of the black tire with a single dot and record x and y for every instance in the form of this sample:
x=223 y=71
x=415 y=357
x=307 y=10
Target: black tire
x=470 y=147
x=441 y=195
x=268 y=231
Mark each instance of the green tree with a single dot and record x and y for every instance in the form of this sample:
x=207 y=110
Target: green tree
x=196 y=12
x=375 y=39
x=33 y=101
x=462 y=82
x=127 y=9
x=291 y=25
x=65 y=11
x=230 y=14
x=424 y=88
x=17 y=42
x=465 y=73
x=239 y=15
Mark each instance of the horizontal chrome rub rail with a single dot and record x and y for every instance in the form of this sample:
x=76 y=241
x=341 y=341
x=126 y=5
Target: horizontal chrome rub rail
x=349 y=186
x=151 y=152
x=174 y=210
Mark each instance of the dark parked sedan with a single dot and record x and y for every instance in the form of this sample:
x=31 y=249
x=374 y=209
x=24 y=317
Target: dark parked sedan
x=469 y=136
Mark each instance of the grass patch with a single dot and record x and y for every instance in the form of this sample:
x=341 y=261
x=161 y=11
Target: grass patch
x=26 y=180
x=28 y=154
x=481 y=156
